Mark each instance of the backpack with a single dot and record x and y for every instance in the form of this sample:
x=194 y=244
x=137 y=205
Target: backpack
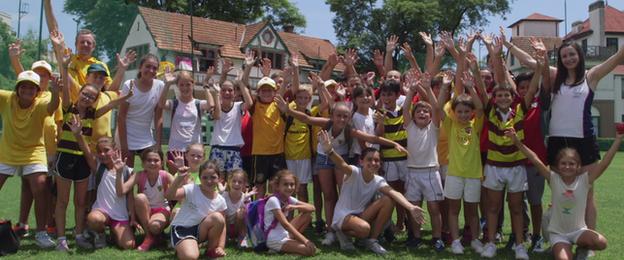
x=101 y=169
x=142 y=180
x=256 y=231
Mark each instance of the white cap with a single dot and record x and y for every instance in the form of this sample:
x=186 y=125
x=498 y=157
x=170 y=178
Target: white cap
x=266 y=81
x=42 y=64
x=330 y=83
x=28 y=75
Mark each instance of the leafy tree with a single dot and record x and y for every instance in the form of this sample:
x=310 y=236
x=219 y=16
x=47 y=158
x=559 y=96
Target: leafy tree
x=110 y=20
x=366 y=24
x=29 y=44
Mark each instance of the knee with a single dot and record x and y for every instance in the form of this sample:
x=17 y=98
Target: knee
x=185 y=255
x=310 y=250
x=362 y=230
x=600 y=243
x=155 y=227
x=387 y=201
x=125 y=245
x=140 y=199
x=95 y=219
x=216 y=218
x=62 y=203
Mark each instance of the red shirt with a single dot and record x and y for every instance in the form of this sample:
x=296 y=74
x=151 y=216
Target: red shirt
x=247 y=132
x=533 y=137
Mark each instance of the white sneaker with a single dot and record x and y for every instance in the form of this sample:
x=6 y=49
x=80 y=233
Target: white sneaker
x=43 y=240
x=374 y=246
x=489 y=250
x=345 y=241
x=521 y=252
x=456 y=247
x=329 y=239
x=62 y=245
x=99 y=241
x=477 y=246
x=83 y=242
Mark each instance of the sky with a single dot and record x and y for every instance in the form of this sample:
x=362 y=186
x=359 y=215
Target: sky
x=319 y=17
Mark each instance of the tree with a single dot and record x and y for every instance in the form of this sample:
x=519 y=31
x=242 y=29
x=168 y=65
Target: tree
x=29 y=55
x=110 y=20
x=366 y=24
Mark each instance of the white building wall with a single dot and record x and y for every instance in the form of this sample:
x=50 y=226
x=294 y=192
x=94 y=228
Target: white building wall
x=138 y=35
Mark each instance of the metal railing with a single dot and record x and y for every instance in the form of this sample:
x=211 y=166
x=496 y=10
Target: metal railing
x=599 y=52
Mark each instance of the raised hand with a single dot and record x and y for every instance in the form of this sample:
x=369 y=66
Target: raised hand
x=226 y=66
x=15 y=49
x=294 y=60
x=128 y=59
x=183 y=171
x=250 y=58
x=407 y=50
x=447 y=78
x=497 y=48
x=440 y=50
x=350 y=57
x=168 y=77
x=487 y=38
x=467 y=80
x=118 y=163
x=75 y=125
x=370 y=78
x=57 y=84
x=426 y=38
x=265 y=66
x=378 y=58
x=425 y=80
x=325 y=141
x=210 y=71
x=538 y=45
x=315 y=79
x=332 y=59
x=281 y=103
x=391 y=43
x=56 y=38
x=447 y=39
x=502 y=34
x=472 y=60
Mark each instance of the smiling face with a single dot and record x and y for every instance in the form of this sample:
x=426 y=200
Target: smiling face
x=152 y=162
x=185 y=85
x=96 y=79
x=569 y=57
x=209 y=177
x=148 y=68
x=104 y=151
x=266 y=94
x=487 y=77
x=389 y=98
x=393 y=75
x=195 y=156
x=27 y=92
x=287 y=185
x=341 y=116
x=371 y=162
x=227 y=92
x=568 y=163
x=238 y=182
x=422 y=115
x=303 y=98
x=523 y=88
x=85 y=44
x=503 y=99
x=464 y=113
x=88 y=96
x=364 y=101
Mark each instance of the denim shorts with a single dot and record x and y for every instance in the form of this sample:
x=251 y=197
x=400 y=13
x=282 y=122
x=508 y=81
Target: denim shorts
x=324 y=162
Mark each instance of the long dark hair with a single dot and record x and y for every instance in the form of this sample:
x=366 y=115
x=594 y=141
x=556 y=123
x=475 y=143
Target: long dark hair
x=562 y=71
x=144 y=59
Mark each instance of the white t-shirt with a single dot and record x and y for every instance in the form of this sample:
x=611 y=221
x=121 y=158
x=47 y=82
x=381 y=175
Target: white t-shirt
x=422 y=145
x=196 y=206
x=339 y=143
x=279 y=232
x=232 y=207
x=141 y=114
x=107 y=199
x=366 y=124
x=227 y=130
x=185 y=126
x=355 y=195
x=568 y=203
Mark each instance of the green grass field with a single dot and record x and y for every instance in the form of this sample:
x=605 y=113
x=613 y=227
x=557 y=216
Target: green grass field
x=605 y=191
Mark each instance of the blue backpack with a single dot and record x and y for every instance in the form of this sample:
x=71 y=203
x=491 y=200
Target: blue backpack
x=256 y=230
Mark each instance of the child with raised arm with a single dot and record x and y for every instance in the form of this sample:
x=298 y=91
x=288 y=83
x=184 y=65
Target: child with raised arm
x=340 y=128
x=422 y=180
x=201 y=217
x=285 y=235
x=357 y=214
x=463 y=125
x=236 y=197
x=570 y=186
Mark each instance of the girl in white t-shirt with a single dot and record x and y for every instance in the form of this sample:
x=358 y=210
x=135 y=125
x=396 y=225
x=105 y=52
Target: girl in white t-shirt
x=134 y=122
x=185 y=118
x=151 y=208
x=356 y=213
x=363 y=100
x=570 y=187
x=201 y=216
x=283 y=235
x=236 y=199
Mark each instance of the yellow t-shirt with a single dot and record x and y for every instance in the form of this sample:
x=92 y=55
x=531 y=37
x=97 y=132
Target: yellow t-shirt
x=22 y=140
x=442 y=148
x=102 y=125
x=268 y=129
x=50 y=128
x=463 y=139
x=297 y=141
x=78 y=71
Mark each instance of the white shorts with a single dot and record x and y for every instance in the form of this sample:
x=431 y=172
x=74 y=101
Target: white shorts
x=302 y=169
x=568 y=238
x=515 y=178
x=395 y=170
x=22 y=170
x=443 y=170
x=423 y=182
x=459 y=187
x=276 y=245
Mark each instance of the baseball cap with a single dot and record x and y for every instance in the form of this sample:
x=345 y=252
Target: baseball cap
x=42 y=64
x=29 y=76
x=96 y=67
x=266 y=81
x=331 y=82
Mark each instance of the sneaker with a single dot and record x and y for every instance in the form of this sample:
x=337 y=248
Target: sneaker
x=243 y=243
x=83 y=242
x=148 y=241
x=329 y=239
x=537 y=244
x=477 y=245
x=438 y=245
x=374 y=246
x=43 y=240
x=20 y=229
x=413 y=242
x=581 y=253
x=457 y=247
x=99 y=240
x=489 y=250
x=62 y=245
x=319 y=226
x=521 y=252
x=345 y=241
x=498 y=237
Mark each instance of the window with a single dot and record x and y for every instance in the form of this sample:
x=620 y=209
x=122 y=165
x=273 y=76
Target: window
x=612 y=43
x=512 y=61
x=277 y=61
x=207 y=59
x=584 y=45
x=140 y=50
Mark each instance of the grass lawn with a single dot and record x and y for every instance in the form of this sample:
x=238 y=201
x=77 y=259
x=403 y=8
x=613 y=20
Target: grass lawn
x=609 y=204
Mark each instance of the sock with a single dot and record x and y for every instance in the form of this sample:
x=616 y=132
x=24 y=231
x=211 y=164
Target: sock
x=62 y=238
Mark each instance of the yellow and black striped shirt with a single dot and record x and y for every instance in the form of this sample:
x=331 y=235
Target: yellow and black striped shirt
x=67 y=142
x=501 y=150
x=394 y=130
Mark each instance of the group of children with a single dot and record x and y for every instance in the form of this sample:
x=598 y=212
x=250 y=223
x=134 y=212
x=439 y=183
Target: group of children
x=368 y=146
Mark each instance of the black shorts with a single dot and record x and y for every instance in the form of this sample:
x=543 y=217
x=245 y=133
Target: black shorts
x=265 y=166
x=72 y=167
x=586 y=147
x=179 y=233
x=247 y=163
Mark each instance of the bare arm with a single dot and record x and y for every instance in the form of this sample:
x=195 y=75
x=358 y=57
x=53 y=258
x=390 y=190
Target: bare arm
x=377 y=140
x=329 y=66
x=430 y=52
x=57 y=85
x=112 y=104
x=76 y=128
x=121 y=127
x=226 y=66
x=391 y=43
x=415 y=211
x=176 y=191
x=476 y=100
x=378 y=60
x=311 y=120
x=407 y=51
x=437 y=59
x=292 y=231
x=294 y=63
x=341 y=165
x=15 y=51
x=595 y=74
x=597 y=171
x=541 y=168
x=169 y=79
x=121 y=186
x=443 y=96
x=534 y=85
x=250 y=60
x=122 y=66
x=213 y=98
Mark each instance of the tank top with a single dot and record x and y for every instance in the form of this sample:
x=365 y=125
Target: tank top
x=571 y=111
x=155 y=193
x=339 y=143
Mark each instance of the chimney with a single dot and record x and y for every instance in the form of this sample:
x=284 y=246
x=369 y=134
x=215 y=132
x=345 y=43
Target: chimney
x=576 y=26
x=289 y=28
x=597 y=23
